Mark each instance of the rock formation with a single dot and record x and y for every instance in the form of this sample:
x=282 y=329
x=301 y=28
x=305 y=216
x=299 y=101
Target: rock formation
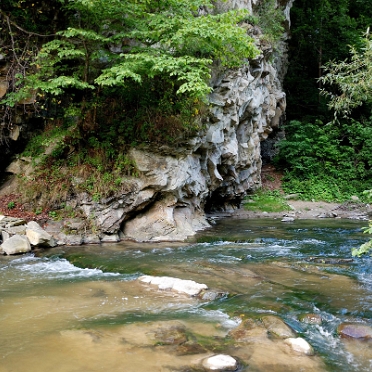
x=214 y=171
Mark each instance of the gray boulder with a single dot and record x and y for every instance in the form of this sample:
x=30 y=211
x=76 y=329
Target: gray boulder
x=39 y=237
x=15 y=245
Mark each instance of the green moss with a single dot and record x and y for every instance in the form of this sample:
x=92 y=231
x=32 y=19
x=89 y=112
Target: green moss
x=266 y=201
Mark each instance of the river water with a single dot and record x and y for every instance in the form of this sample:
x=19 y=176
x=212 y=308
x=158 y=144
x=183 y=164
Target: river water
x=83 y=309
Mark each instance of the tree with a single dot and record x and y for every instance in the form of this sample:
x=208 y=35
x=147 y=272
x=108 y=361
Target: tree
x=112 y=42
x=352 y=79
x=321 y=31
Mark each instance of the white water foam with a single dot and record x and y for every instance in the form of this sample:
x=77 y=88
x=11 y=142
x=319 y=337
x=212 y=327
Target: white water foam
x=56 y=268
x=217 y=315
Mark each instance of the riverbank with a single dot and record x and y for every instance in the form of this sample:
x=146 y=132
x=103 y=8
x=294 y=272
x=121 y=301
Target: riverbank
x=311 y=210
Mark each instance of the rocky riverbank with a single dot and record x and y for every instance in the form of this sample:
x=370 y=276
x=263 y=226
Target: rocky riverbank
x=299 y=209
x=21 y=234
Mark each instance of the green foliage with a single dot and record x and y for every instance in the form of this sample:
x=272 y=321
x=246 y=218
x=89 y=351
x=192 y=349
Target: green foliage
x=316 y=25
x=352 y=79
x=11 y=205
x=266 y=201
x=326 y=161
x=117 y=42
x=271 y=19
x=366 y=247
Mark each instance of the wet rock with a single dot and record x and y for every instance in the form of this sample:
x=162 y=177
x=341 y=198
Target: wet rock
x=288 y=219
x=190 y=348
x=39 y=237
x=355 y=330
x=299 y=345
x=277 y=327
x=175 y=335
x=248 y=331
x=211 y=295
x=15 y=245
x=328 y=260
x=220 y=362
x=188 y=287
x=311 y=319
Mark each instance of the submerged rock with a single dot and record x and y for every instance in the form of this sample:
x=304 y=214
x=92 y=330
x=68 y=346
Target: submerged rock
x=175 y=335
x=355 y=330
x=277 y=327
x=188 y=287
x=220 y=362
x=248 y=331
x=330 y=260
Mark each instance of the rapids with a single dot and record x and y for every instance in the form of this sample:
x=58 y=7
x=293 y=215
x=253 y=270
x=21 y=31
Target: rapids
x=82 y=309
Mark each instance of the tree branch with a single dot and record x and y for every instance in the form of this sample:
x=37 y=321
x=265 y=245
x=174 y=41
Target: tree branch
x=22 y=29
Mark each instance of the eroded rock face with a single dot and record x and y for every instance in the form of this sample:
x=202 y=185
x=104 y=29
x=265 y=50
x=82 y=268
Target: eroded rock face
x=215 y=170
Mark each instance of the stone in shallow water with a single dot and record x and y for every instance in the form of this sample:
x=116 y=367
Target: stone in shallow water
x=299 y=345
x=277 y=327
x=179 y=285
x=220 y=362
x=355 y=330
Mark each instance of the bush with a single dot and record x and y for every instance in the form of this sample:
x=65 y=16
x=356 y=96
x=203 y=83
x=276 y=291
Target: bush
x=327 y=162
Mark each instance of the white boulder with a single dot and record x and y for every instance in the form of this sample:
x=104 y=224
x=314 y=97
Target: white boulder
x=188 y=287
x=220 y=362
x=15 y=245
x=299 y=345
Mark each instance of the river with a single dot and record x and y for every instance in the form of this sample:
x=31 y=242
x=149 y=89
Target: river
x=82 y=308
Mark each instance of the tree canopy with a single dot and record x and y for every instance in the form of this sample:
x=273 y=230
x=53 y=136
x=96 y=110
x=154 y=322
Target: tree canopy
x=113 y=43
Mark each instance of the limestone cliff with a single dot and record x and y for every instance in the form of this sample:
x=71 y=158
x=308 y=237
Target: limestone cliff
x=174 y=188
x=217 y=169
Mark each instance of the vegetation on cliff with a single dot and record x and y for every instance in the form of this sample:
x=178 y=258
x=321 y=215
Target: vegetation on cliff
x=327 y=149
x=110 y=75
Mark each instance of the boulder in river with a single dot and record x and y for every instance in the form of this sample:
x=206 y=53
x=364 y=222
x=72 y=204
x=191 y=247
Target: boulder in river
x=220 y=362
x=188 y=287
x=15 y=245
x=299 y=345
x=355 y=330
x=277 y=327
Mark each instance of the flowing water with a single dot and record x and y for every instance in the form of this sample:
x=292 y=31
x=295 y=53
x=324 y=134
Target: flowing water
x=83 y=309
